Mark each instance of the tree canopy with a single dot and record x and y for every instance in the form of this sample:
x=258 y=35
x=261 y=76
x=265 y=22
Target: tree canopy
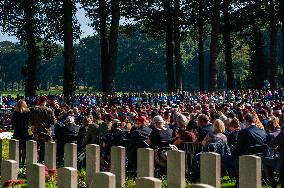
x=143 y=45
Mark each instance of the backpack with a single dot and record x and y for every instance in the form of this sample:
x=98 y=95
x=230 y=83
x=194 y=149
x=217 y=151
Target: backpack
x=160 y=155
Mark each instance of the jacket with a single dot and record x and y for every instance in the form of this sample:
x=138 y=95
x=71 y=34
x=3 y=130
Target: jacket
x=248 y=138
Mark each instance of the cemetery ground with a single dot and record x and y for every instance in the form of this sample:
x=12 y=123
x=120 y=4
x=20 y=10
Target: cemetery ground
x=52 y=183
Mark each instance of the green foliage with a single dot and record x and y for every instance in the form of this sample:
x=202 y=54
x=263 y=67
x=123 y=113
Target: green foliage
x=22 y=174
x=141 y=50
x=227 y=182
x=5 y=149
x=130 y=183
x=13 y=18
x=51 y=182
x=12 y=59
x=82 y=178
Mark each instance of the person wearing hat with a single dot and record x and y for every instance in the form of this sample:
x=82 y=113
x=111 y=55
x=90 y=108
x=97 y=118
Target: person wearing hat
x=41 y=120
x=139 y=138
x=117 y=135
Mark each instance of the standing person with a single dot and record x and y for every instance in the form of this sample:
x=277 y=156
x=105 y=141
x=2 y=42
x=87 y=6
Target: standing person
x=41 y=119
x=20 y=125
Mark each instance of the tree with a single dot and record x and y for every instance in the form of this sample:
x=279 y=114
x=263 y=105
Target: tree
x=105 y=16
x=23 y=19
x=169 y=45
x=61 y=25
x=163 y=20
x=250 y=20
x=177 y=46
x=12 y=58
x=201 y=45
x=228 y=44
x=69 y=60
x=281 y=12
x=273 y=44
x=215 y=24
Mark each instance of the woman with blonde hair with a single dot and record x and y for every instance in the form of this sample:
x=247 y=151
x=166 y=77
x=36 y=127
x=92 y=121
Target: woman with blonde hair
x=20 y=125
x=258 y=122
x=217 y=135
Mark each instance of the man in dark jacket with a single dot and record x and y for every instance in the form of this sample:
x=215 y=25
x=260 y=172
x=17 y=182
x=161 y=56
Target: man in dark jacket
x=251 y=139
x=67 y=133
x=276 y=162
x=204 y=127
x=139 y=138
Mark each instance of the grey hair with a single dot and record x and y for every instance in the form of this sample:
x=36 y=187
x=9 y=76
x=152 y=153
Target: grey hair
x=158 y=120
x=181 y=119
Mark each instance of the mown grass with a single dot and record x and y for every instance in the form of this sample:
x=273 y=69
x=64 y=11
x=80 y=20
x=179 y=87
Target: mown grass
x=54 y=91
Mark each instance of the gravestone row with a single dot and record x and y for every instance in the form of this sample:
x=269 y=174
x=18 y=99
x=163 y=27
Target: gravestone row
x=210 y=168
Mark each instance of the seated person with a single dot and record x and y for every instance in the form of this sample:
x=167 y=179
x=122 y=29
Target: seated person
x=249 y=137
x=116 y=135
x=248 y=141
x=87 y=120
x=161 y=136
x=204 y=127
x=217 y=135
x=67 y=133
x=181 y=135
x=139 y=138
x=93 y=135
x=276 y=162
x=272 y=128
x=233 y=128
x=113 y=137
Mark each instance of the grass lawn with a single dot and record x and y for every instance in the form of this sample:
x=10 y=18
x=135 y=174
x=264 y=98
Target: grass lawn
x=53 y=91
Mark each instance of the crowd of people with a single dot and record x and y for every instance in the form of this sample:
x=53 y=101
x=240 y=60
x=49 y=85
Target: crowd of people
x=231 y=123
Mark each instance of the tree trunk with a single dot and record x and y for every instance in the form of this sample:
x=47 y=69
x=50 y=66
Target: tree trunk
x=273 y=48
x=215 y=22
x=258 y=65
x=6 y=85
x=32 y=51
x=177 y=41
x=281 y=5
x=283 y=42
x=12 y=85
x=228 y=45
x=201 y=45
x=113 y=44
x=18 y=85
x=103 y=42
x=169 y=45
x=69 y=60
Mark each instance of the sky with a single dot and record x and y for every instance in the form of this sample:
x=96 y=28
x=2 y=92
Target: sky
x=84 y=21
